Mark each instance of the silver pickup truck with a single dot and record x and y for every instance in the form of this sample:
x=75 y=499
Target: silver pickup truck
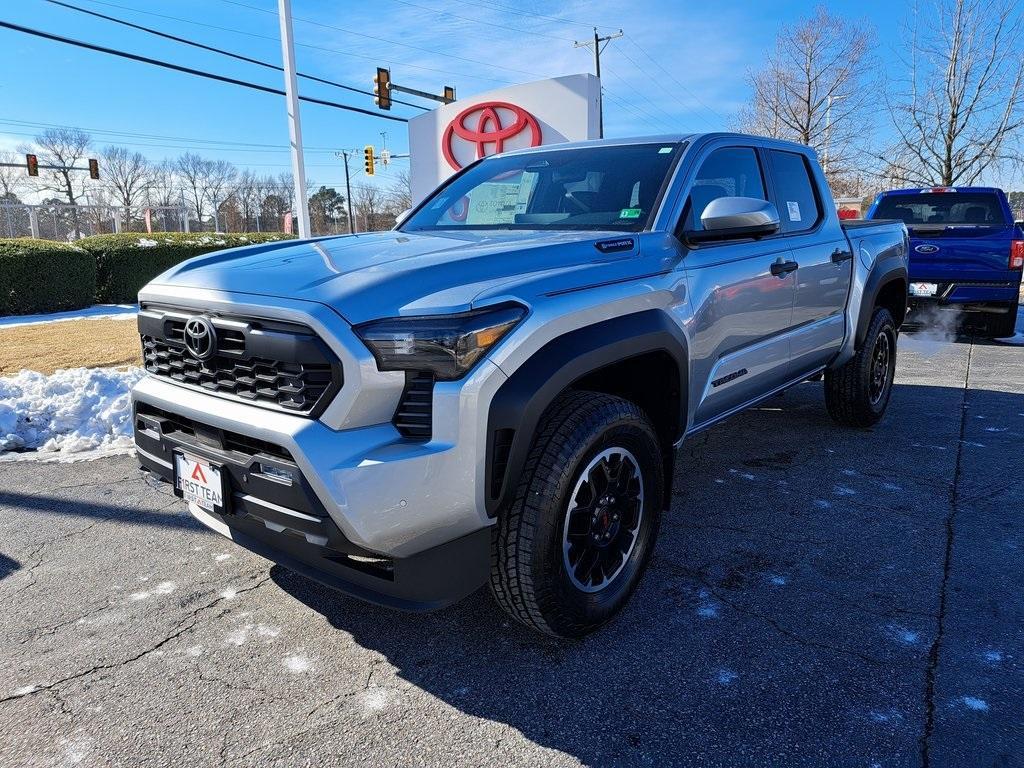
x=494 y=391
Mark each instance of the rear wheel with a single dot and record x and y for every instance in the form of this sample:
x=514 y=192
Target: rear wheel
x=858 y=392
x=570 y=550
x=1003 y=324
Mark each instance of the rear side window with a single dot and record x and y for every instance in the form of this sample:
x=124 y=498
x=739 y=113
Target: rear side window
x=970 y=208
x=797 y=203
x=727 y=172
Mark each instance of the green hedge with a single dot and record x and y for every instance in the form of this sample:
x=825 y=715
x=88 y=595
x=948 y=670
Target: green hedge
x=47 y=276
x=44 y=276
x=127 y=261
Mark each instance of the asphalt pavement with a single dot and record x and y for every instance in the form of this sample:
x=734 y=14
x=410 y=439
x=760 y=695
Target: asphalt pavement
x=819 y=596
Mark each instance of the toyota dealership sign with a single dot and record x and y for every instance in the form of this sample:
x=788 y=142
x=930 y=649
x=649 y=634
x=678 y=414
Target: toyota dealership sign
x=546 y=112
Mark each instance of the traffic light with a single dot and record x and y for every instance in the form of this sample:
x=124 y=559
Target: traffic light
x=382 y=88
x=449 y=94
x=94 y=169
x=368 y=159
x=32 y=163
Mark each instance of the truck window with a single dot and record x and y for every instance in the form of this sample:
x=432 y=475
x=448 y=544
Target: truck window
x=794 y=190
x=590 y=188
x=938 y=208
x=727 y=172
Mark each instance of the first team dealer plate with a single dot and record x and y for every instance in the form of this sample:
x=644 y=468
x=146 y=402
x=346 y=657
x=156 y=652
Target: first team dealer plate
x=198 y=481
x=924 y=289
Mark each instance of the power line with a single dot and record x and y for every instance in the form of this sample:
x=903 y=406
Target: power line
x=190 y=71
x=386 y=40
x=335 y=51
x=223 y=52
x=672 y=77
x=451 y=15
x=136 y=135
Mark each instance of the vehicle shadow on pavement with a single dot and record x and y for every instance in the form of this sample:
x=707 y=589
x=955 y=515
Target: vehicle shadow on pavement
x=8 y=566
x=791 y=608
x=47 y=504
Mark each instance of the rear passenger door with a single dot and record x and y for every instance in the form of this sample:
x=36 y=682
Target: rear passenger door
x=741 y=310
x=819 y=245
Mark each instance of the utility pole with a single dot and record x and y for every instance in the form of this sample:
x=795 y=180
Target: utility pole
x=348 y=192
x=284 y=9
x=599 y=44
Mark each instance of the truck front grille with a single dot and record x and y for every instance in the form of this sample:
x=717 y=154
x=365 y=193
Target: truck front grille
x=277 y=365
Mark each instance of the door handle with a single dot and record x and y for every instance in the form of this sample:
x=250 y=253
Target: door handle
x=781 y=267
x=839 y=256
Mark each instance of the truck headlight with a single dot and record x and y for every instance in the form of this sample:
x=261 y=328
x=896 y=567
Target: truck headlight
x=446 y=345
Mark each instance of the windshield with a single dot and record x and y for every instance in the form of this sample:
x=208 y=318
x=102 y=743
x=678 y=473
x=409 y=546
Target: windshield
x=593 y=188
x=938 y=209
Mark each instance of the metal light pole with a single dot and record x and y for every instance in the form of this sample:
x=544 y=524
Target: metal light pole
x=294 y=127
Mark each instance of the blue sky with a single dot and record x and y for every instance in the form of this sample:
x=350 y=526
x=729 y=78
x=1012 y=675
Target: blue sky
x=708 y=48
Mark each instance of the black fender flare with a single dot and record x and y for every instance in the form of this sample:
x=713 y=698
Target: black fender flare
x=516 y=408
x=888 y=268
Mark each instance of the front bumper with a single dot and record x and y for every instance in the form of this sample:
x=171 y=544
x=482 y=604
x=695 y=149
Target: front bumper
x=273 y=511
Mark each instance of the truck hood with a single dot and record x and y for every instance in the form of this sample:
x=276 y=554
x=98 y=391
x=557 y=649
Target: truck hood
x=382 y=274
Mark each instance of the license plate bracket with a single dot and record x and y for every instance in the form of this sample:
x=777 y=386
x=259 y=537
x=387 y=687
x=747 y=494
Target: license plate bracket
x=200 y=482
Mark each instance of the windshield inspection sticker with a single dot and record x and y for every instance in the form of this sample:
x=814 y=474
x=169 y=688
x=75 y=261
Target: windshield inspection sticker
x=794 y=210
x=629 y=213
x=664 y=150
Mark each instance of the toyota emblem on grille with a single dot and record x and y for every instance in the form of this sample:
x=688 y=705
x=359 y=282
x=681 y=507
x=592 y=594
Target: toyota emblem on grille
x=200 y=337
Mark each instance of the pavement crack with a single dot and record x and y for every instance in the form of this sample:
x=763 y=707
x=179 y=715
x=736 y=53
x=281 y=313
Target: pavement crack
x=947 y=563
x=185 y=624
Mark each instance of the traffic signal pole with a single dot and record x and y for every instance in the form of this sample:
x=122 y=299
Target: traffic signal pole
x=294 y=126
x=348 y=192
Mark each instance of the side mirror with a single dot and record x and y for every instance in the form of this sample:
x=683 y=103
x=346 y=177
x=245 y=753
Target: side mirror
x=402 y=216
x=725 y=218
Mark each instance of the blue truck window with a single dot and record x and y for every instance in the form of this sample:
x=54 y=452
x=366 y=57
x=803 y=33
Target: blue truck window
x=977 y=208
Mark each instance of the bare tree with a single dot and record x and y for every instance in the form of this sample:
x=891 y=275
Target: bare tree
x=126 y=175
x=959 y=112
x=192 y=171
x=813 y=90
x=217 y=185
x=12 y=180
x=63 y=147
x=401 y=191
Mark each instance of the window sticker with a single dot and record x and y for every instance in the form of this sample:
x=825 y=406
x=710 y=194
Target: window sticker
x=664 y=150
x=629 y=213
x=794 y=210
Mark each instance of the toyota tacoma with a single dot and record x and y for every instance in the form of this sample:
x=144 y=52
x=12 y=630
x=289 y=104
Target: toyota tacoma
x=494 y=391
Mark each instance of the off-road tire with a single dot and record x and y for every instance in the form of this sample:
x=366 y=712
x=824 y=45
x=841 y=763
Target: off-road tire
x=849 y=397
x=529 y=578
x=1004 y=324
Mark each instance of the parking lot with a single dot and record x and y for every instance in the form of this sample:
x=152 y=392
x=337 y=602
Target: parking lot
x=818 y=596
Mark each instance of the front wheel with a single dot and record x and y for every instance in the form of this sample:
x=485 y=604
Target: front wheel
x=571 y=548
x=857 y=393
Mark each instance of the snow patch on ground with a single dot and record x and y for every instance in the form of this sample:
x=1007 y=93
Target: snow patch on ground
x=972 y=702
x=374 y=700
x=145 y=242
x=71 y=415
x=297 y=664
x=725 y=677
x=111 y=311
x=222 y=557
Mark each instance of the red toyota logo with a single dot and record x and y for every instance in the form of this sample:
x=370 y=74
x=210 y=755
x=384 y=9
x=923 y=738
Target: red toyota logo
x=488 y=129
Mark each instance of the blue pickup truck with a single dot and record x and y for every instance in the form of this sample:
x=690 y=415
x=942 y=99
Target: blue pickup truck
x=966 y=251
